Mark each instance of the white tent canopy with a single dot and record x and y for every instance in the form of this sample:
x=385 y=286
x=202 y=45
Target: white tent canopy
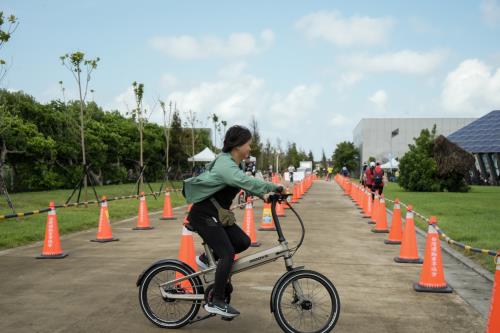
x=394 y=164
x=206 y=155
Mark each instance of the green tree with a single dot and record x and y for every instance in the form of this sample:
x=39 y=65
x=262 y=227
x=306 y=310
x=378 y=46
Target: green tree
x=75 y=62
x=256 y=146
x=418 y=169
x=346 y=154
x=8 y=26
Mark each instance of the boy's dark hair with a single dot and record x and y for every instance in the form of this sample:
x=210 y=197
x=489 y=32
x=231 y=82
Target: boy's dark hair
x=236 y=136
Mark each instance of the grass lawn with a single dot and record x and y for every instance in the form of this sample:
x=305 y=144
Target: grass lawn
x=32 y=228
x=471 y=218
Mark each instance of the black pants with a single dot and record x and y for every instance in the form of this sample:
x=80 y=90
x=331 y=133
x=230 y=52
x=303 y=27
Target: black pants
x=378 y=189
x=225 y=242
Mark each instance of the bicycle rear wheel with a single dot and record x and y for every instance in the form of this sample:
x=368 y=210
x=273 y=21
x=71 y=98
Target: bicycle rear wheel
x=163 y=311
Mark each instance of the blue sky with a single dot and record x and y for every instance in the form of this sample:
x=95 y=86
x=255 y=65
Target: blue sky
x=308 y=70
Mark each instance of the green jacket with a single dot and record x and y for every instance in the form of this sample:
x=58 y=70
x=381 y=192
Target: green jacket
x=222 y=172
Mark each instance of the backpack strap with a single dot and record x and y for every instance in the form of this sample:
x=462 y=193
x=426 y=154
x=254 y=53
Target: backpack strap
x=216 y=204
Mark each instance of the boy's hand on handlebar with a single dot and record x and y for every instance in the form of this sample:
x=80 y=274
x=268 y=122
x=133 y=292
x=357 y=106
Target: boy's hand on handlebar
x=266 y=197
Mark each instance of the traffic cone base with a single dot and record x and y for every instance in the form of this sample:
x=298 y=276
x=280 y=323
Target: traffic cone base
x=143 y=228
x=168 y=218
x=371 y=222
x=408 y=260
x=421 y=288
x=267 y=229
x=105 y=240
x=52 y=256
x=380 y=231
x=391 y=242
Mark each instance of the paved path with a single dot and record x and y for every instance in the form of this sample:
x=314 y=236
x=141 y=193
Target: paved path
x=93 y=290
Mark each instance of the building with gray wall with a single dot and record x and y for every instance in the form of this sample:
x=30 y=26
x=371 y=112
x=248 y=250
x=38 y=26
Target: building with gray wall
x=373 y=135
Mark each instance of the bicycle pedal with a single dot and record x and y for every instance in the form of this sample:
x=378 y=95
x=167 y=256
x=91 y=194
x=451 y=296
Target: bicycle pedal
x=227 y=318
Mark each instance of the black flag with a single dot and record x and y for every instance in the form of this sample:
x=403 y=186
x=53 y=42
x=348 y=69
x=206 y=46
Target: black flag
x=395 y=132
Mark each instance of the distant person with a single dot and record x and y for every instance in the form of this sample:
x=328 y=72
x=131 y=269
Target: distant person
x=345 y=172
x=291 y=170
x=369 y=176
x=329 y=173
x=378 y=179
x=362 y=178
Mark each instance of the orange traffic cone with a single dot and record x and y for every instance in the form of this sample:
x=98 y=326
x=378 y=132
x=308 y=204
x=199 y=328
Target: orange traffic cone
x=432 y=274
x=348 y=188
x=187 y=255
x=408 y=252
x=186 y=221
x=104 y=233
x=52 y=244
x=396 y=234
x=374 y=216
x=143 y=216
x=369 y=205
x=168 y=214
x=381 y=225
x=295 y=195
x=280 y=210
x=267 y=223
x=249 y=224
x=186 y=248
x=494 y=318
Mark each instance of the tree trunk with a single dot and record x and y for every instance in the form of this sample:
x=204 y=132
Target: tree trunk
x=82 y=137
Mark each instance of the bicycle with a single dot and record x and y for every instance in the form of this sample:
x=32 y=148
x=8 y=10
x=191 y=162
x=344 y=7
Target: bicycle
x=171 y=292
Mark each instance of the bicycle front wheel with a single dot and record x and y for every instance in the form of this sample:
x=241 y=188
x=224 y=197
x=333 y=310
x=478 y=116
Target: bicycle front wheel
x=306 y=301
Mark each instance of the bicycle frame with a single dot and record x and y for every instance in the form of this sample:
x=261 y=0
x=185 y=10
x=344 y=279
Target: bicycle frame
x=240 y=265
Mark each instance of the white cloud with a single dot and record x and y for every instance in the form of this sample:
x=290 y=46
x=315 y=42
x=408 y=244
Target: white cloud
x=235 y=45
x=472 y=88
x=299 y=102
x=406 y=61
x=348 y=80
x=379 y=98
x=338 y=120
x=125 y=102
x=233 y=69
x=233 y=98
x=169 y=81
x=355 y=30
x=490 y=9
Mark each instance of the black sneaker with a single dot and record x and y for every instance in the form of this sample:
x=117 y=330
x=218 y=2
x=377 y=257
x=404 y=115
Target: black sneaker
x=221 y=308
x=202 y=261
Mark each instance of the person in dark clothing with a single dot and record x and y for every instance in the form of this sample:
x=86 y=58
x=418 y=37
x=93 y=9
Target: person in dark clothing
x=222 y=180
x=369 y=177
x=378 y=179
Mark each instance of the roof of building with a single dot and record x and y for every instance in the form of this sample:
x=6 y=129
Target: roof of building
x=480 y=136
